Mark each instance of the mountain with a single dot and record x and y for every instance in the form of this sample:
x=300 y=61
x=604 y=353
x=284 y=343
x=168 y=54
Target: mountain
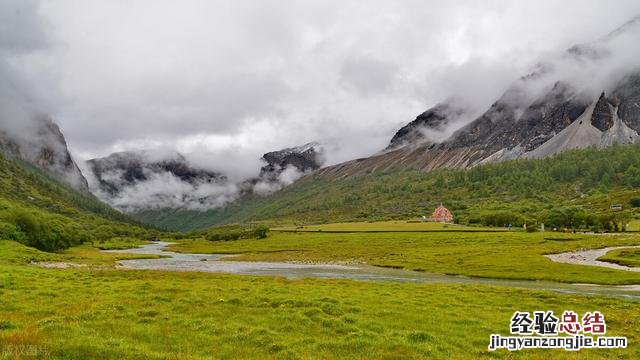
x=540 y=114
x=303 y=158
x=428 y=126
x=576 y=186
x=130 y=181
x=563 y=104
x=559 y=120
x=281 y=168
x=39 y=210
x=574 y=101
x=123 y=169
x=599 y=125
x=41 y=143
x=144 y=182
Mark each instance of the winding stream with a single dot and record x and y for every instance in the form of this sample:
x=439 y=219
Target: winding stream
x=213 y=263
x=590 y=257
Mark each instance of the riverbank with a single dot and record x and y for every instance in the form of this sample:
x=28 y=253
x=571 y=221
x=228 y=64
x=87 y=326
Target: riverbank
x=214 y=263
x=83 y=313
x=593 y=258
x=507 y=255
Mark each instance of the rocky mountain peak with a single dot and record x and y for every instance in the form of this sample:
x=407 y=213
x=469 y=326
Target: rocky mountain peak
x=304 y=158
x=41 y=143
x=603 y=113
x=428 y=126
x=540 y=114
x=632 y=24
x=628 y=92
x=123 y=169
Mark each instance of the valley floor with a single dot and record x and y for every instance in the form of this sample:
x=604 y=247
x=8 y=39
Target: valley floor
x=505 y=255
x=97 y=311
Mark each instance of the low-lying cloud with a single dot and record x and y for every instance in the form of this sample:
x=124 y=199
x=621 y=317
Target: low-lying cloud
x=162 y=178
x=284 y=74
x=21 y=35
x=225 y=82
x=286 y=177
x=588 y=68
x=165 y=190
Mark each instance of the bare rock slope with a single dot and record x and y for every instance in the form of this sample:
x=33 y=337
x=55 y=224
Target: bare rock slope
x=540 y=114
x=41 y=143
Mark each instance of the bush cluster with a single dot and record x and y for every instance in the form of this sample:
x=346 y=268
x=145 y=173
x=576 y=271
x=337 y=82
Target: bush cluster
x=235 y=232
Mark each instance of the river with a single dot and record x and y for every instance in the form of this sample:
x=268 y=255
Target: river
x=215 y=263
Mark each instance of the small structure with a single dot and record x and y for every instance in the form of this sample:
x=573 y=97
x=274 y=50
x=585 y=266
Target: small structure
x=616 y=207
x=441 y=214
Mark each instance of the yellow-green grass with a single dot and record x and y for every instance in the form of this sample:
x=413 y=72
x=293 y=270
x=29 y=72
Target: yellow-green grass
x=626 y=257
x=115 y=314
x=87 y=254
x=633 y=225
x=119 y=243
x=384 y=226
x=510 y=255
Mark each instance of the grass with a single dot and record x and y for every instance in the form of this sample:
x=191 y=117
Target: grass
x=633 y=225
x=509 y=255
x=110 y=314
x=384 y=226
x=98 y=311
x=13 y=253
x=119 y=243
x=39 y=211
x=88 y=254
x=626 y=257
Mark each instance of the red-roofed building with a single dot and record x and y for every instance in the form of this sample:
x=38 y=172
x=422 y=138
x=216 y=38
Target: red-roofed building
x=442 y=214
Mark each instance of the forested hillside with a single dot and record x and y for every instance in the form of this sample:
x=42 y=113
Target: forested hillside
x=574 y=189
x=39 y=211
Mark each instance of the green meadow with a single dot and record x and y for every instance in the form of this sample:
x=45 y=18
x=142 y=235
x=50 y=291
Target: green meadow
x=97 y=311
x=385 y=226
x=626 y=257
x=506 y=255
x=62 y=298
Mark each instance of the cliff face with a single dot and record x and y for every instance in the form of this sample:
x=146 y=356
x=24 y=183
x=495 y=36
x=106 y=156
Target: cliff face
x=42 y=144
x=540 y=114
x=558 y=120
x=304 y=158
x=123 y=169
x=144 y=180
x=428 y=126
x=627 y=94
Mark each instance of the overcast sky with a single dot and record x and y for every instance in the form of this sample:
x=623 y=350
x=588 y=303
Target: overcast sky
x=231 y=80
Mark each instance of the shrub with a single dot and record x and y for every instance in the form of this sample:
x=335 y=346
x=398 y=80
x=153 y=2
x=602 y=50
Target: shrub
x=11 y=232
x=261 y=232
x=235 y=232
x=502 y=218
x=26 y=222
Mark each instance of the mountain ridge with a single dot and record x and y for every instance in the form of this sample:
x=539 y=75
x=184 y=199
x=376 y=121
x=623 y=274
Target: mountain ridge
x=124 y=179
x=41 y=143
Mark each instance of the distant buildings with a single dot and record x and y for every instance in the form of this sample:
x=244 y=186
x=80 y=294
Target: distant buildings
x=441 y=214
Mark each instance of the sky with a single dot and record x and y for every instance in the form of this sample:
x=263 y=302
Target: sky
x=227 y=81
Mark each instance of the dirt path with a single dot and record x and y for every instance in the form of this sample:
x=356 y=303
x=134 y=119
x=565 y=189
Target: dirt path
x=590 y=257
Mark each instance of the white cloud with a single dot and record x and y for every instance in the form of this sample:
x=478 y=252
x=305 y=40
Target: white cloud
x=164 y=190
x=286 y=177
x=228 y=81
